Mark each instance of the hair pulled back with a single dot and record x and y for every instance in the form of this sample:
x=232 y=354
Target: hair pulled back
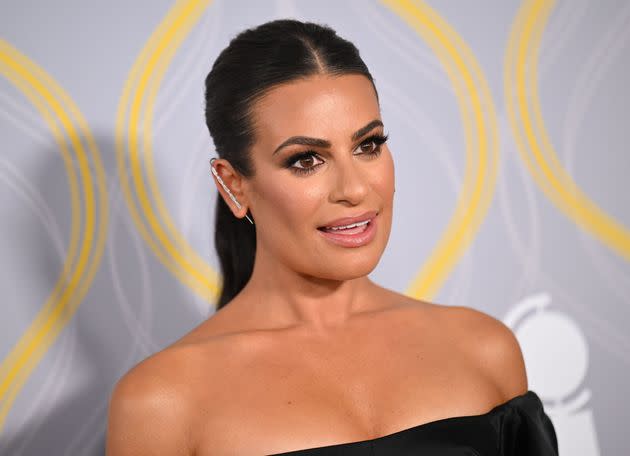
x=255 y=61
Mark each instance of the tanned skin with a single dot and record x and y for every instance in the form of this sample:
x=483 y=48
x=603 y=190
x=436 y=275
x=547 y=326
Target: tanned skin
x=312 y=352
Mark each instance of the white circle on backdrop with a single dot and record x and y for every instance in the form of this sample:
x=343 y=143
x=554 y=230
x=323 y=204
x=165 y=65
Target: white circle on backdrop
x=555 y=353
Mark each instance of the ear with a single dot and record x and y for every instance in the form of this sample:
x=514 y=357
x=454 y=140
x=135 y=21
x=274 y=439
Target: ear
x=235 y=184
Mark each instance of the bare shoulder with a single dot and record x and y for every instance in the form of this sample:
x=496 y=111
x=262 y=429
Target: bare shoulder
x=492 y=345
x=150 y=408
x=488 y=342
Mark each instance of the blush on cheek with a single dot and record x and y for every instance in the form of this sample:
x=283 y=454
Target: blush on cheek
x=386 y=175
x=289 y=206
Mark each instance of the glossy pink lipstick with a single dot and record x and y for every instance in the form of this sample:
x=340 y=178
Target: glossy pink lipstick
x=351 y=231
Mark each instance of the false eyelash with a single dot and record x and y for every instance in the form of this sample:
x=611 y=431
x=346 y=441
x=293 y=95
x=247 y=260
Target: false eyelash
x=377 y=139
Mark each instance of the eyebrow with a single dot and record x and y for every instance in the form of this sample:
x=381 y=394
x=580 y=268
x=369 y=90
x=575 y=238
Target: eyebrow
x=316 y=142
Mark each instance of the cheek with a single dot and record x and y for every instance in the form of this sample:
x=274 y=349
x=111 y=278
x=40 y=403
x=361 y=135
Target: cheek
x=288 y=203
x=383 y=180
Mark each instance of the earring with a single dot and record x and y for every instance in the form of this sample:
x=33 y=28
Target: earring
x=227 y=190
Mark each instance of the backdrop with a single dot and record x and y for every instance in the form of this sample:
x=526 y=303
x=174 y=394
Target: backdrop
x=508 y=125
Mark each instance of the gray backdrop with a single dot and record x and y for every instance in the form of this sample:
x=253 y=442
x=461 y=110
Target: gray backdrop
x=509 y=130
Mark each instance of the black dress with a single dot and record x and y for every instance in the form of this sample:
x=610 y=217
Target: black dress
x=518 y=427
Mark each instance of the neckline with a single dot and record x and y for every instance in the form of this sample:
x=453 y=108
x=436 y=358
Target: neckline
x=528 y=395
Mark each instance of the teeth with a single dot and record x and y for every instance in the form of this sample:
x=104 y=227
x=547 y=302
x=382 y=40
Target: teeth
x=334 y=228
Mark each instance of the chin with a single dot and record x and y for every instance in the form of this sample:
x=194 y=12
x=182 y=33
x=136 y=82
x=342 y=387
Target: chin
x=348 y=268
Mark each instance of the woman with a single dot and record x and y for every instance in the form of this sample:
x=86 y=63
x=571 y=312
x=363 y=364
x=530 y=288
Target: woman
x=305 y=354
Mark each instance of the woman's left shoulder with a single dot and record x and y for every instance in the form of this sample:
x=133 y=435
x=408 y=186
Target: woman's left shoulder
x=467 y=322
x=490 y=344
x=497 y=350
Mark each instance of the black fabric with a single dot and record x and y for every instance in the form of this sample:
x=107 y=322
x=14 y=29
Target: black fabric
x=518 y=427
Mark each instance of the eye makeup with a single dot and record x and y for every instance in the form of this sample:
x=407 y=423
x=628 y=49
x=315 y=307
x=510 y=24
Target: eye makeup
x=377 y=139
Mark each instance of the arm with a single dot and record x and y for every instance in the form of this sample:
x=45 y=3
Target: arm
x=147 y=416
x=497 y=351
x=505 y=361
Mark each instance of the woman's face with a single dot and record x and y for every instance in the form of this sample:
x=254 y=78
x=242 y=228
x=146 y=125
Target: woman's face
x=292 y=196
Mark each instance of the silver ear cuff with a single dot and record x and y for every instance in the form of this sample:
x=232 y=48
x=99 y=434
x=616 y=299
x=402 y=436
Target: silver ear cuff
x=225 y=187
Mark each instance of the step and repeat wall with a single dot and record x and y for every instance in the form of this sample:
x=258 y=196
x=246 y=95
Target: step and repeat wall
x=508 y=125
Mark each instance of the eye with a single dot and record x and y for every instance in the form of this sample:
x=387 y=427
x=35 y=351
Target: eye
x=372 y=145
x=307 y=162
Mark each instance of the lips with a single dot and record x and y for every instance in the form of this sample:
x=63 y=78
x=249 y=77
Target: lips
x=360 y=235
x=345 y=221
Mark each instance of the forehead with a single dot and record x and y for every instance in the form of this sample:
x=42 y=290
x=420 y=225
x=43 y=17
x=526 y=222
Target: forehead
x=321 y=106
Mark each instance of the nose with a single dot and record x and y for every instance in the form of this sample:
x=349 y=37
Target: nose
x=351 y=183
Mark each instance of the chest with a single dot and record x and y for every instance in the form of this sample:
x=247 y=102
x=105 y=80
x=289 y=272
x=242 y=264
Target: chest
x=308 y=396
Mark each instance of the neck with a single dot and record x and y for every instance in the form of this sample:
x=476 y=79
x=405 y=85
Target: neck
x=277 y=296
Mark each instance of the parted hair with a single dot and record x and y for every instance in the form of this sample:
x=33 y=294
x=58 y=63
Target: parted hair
x=255 y=61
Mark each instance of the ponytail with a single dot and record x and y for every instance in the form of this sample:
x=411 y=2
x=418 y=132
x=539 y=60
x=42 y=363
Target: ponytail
x=235 y=243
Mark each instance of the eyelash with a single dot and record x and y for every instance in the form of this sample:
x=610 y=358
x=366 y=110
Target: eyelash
x=377 y=139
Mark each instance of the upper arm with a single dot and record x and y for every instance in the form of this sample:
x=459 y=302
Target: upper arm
x=147 y=416
x=498 y=352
